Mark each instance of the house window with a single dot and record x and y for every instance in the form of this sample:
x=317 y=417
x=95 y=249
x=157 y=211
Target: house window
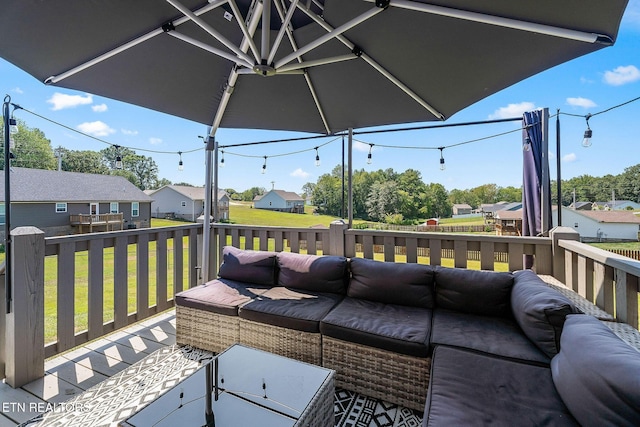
x=135 y=208
x=183 y=203
x=114 y=207
x=575 y=225
x=61 y=207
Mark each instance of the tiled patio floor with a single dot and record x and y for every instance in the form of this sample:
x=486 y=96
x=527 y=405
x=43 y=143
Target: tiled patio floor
x=72 y=373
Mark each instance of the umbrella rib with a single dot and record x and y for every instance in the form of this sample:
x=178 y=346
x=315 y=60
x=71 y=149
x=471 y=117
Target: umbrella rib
x=128 y=45
x=502 y=21
x=373 y=63
x=316 y=62
x=253 y=19
x=245 y=29
x=283 y=29
x=266 y=30
x=307 y=78
x=333 y=33
x=211 y=49
x=209 y=29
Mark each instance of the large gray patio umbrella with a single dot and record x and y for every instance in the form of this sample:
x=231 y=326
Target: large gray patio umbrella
x=305 y=65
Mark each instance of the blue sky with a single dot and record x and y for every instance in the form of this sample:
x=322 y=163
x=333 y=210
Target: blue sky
x=589 y=84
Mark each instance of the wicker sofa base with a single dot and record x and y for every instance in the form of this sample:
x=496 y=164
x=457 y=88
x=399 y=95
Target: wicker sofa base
x=381 y=374
x=303 y=346
x=206 y=330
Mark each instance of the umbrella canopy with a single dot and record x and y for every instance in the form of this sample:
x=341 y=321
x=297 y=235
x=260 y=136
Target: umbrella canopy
x=307 y=65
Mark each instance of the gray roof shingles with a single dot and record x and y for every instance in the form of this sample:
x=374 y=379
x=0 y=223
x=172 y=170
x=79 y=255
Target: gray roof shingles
x=38 y=185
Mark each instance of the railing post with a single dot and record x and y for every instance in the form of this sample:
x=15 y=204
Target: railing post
x=561 y=233
x=3 y=304
x=336 y=237
x=24 y=346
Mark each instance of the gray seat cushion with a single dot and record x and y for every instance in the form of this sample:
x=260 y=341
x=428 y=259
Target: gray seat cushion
x=539 y=310
x=495 y=335
x=486 y=293
x=220 y=296
x=290 y=308
x=476 y=389
x=597 y=374
x=257 y=267
x=401 y=329
x=312 y=272
x=392 y=283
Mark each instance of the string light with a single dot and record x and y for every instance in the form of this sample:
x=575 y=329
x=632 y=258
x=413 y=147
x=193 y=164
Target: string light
x=317 y=157
x=221 y=158
x=180 y=164
x=118 y=157
x=526 y=146
x=264 y=166
x=369 y=155
x=442 y=166
x=586 y=141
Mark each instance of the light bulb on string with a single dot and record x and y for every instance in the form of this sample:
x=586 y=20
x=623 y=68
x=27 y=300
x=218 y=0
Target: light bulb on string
x=317 y=157
x=221 y=158
x=369 y=155
x=180 y=164
x=118 y=163
x=442 y=166
x=526 y=146
x=586 y=141
x=264 y=166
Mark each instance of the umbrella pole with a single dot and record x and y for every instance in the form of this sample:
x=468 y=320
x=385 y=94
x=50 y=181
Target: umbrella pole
x=545 y=209
x=350 y=177
x=206 y=223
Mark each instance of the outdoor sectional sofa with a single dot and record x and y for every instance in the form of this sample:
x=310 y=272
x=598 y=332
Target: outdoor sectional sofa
x=467 y=347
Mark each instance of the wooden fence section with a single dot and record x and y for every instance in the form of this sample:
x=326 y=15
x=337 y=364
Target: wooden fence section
x=460 y=244
x=119 y=245
x=629 y=253
x=606 y=279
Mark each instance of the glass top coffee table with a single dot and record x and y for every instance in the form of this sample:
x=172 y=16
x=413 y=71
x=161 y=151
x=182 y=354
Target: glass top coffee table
x=248 y=387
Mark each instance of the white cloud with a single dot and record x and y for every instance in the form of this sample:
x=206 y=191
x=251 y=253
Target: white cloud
x=100 y=108
x=155 y=141
x=585 y=80
x=97 y=128
x=581 y=102
x=60 y=101
x=17 y=90
x=568 y=158
x=129 y=132
x=622 y=75
x=361 y=146
x=299 y=173
x=512 y=110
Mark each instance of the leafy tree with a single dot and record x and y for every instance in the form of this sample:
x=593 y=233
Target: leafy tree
x=250 y=194
x=383 y=200
x=144 y=169
x=84 y=161
x=307 y=189
x=164 y=181
x=327 y=194
x=32 y=149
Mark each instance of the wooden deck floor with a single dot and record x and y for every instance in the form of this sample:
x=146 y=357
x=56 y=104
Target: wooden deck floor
x=73 y=372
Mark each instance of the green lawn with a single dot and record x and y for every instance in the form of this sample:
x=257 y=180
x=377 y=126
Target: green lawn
x=244 y=213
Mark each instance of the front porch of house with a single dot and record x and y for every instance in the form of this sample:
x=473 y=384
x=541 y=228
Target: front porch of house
x=127 y=281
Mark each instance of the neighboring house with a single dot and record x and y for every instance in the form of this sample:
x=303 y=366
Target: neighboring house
x=462 y=209
x=617 y=205
x=489 y=209
x=581 y=206
x=602 y=225
x=50 y=200
x=508 y=223
x=280 y=200
x=181 y=201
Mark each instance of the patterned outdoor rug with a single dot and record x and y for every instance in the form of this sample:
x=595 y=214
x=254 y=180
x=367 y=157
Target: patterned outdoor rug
x=125 y=393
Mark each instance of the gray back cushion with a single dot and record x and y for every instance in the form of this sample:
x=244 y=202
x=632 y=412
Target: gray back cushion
x=539 y=310
x=257 y=267
x=391 y=283
x=597 y=374
x=486 y=293
x=313 y=273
